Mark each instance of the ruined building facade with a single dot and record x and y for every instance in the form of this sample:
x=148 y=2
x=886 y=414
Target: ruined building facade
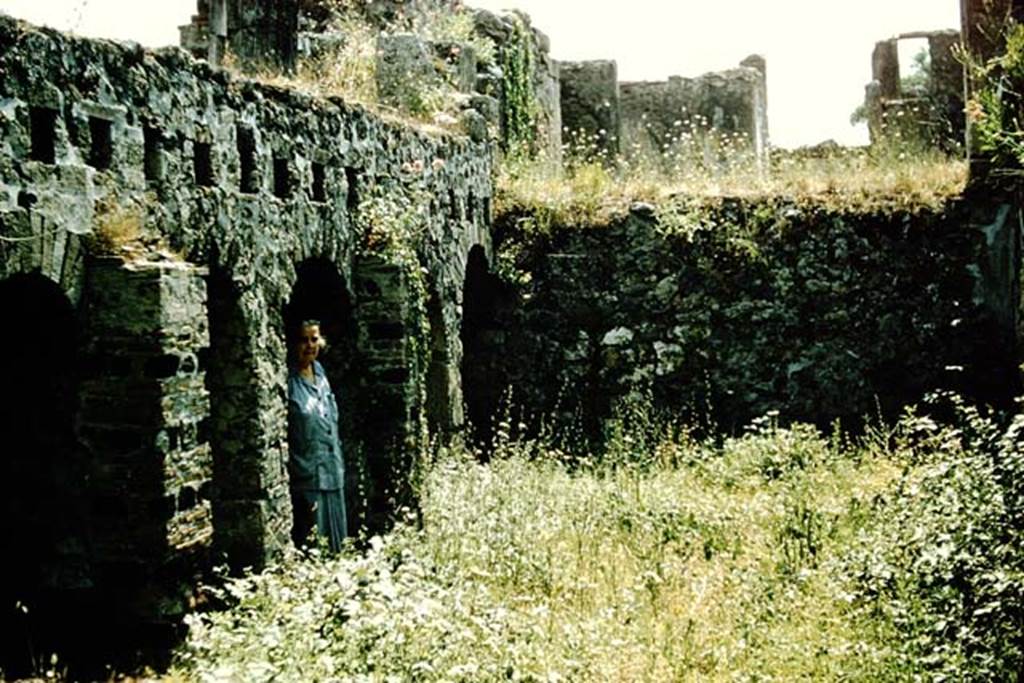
x=160 y=222
x=933 y=113
x=715 y=116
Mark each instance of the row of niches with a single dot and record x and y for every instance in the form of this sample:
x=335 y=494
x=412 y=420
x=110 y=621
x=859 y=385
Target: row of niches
x=279 y=174
x=235 y=158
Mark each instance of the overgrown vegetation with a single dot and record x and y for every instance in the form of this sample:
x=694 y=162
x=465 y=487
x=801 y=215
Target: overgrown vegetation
x=865 y=179
x=997 y=108
x=518 y=100
x=346 y=64
x=778 y=555
x=937 y=570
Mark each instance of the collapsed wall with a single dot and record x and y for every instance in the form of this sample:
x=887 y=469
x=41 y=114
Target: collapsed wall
x=709 y=119
x=183 y=214
x=520 y=79
x=724 y=113
x=931 y=112
x=724 y=312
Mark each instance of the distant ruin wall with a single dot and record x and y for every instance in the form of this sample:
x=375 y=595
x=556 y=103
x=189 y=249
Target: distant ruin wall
x=725 y=112
x=716 y=117
x=932 y=114
x=226 y=187
x=591 y=109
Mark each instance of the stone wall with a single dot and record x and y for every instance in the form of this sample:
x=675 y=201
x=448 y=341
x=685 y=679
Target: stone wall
x=723 y=113
x=726 y=312
x=210 y=194
x=714 y=117
x=259 y=32
x=933 y=114
x=545 y=77
x=591 y=109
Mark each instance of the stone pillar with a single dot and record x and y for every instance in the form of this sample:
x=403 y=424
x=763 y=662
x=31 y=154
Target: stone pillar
x=217 y=30
x=247 y=427
x=947 y=84
x=591 y=110
x=885 y=68
x=547 y=85
x=760 y=107
x=392 y=337
x=997 y=204
x=982 y=24
x=143 y=402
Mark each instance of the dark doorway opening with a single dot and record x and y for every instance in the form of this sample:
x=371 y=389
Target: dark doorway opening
x=232 y=427
x=320 y=293
x=483 y=378
x=43 y=501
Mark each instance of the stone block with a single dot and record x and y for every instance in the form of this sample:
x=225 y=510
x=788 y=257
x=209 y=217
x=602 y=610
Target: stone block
x=590 y=109
x=406 y=75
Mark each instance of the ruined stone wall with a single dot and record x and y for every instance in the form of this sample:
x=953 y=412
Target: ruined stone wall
x=724 y=113
x=492 y=79
x=259 y=32
x=933 y=115
x=729 y=311
x=715 y=117
x=176 y=162
x=591 y=109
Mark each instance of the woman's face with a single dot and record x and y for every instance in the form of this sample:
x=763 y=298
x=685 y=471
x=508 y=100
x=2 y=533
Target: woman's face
x=307 y=346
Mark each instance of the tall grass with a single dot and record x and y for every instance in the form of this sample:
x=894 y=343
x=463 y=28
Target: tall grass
x=348 y=68
x=686 y=561
x=594 y=191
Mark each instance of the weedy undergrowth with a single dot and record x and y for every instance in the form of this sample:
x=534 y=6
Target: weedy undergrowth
x=779 y=554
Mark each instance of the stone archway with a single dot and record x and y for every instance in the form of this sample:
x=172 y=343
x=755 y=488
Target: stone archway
x=482 y=343
x=44 y=535
x=321 y=293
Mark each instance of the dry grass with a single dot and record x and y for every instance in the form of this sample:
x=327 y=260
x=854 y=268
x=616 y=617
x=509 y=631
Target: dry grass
x=348 y=70
x=117 y=228
x=856 y=179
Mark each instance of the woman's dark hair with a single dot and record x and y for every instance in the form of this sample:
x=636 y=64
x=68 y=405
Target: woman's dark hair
x=296 y=330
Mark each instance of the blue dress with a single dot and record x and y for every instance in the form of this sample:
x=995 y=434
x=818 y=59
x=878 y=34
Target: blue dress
x=317 y=473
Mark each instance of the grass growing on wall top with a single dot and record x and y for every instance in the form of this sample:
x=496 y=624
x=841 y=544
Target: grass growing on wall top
x=856 y=179
x=348 y=69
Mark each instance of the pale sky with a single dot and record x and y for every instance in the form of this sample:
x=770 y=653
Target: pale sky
x=818 y=51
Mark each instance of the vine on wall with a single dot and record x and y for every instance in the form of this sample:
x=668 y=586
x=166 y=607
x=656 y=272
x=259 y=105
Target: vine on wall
x=519 y=103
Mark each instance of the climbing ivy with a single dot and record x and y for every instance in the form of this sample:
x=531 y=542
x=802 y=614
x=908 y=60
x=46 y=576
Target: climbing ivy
x=519 y=104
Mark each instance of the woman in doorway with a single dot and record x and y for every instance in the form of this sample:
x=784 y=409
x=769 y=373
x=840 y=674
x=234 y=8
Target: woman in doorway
x=314 y=464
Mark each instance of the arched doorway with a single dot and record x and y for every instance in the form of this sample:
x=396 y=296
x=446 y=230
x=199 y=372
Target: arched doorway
x=320 y=293
x=482 y=341
x=43 y=502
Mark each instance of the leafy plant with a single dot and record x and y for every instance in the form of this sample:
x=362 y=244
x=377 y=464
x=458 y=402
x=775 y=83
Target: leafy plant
x=938 y=569
x=996 y=110
x=518 y=99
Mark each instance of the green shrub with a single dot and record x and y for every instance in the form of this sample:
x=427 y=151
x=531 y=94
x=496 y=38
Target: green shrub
x=940 y=568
